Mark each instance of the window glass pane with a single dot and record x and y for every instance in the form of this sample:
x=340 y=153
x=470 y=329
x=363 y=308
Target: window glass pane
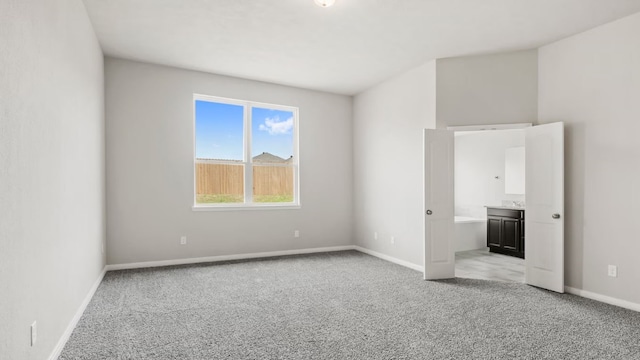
x=219 y=131
x=219 y=183
x=273 y=184
x=272 y=136
x=230 y=155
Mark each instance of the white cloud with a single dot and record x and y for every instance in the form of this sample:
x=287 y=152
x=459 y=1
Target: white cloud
x=276 y=127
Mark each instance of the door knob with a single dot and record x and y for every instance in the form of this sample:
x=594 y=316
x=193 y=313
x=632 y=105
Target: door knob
x=429 y=212
x=556 y=216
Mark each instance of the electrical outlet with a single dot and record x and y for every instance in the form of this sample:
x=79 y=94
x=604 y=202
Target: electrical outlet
x=296 y=233
x=613 y=271
x=34 y=333
x=183 y=240
x=393 y=240
x=375 y=235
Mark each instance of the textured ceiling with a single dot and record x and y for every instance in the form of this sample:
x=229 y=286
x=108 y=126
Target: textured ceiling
x=343 y=49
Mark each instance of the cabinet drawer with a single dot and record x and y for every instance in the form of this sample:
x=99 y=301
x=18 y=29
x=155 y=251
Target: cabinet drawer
x=516 y=214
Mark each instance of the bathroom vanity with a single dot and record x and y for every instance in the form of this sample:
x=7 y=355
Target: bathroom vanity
x=505 y=230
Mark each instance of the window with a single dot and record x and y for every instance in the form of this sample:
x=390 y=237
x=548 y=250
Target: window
x=246 y=154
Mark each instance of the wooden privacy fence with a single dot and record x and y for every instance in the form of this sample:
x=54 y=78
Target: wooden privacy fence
x=229 y=179
x=273 y=180
x=219 y=179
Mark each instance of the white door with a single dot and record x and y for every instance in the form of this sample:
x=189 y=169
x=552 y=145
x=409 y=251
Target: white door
x=439 y=256
x=544 y=199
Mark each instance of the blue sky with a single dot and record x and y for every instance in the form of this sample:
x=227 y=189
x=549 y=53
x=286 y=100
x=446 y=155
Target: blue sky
x=219 y=131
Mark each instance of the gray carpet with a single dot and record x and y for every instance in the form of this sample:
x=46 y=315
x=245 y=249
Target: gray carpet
x=343 y=305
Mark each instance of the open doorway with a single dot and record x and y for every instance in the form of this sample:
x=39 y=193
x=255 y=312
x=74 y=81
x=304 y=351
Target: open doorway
x=490 y=204
x=544 y=221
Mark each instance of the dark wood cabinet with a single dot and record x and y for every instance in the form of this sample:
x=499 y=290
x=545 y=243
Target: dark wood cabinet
x=494 y=225
x=505 y=231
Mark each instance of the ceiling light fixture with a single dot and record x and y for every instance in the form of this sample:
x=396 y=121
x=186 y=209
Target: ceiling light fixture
x=324 y=3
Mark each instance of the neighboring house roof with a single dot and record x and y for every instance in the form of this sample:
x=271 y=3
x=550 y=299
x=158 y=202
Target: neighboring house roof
x=265 y=157
x=268 y=157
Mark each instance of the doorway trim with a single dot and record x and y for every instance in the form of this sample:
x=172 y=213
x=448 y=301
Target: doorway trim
x=487 y=127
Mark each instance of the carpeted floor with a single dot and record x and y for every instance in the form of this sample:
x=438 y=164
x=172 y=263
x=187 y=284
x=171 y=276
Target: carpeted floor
x=343 y=305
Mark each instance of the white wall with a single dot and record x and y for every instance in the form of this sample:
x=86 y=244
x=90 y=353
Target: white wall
x=388 y=162
x=487 y=89
x=591 y=81
x=150 y=169
x=479 y=158
x=51 y=170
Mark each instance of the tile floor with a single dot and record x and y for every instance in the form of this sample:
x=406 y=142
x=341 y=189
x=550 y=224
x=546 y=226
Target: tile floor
x=482 y=264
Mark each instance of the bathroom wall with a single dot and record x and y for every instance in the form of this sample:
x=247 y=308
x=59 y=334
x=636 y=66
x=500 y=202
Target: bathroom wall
x=479 y=159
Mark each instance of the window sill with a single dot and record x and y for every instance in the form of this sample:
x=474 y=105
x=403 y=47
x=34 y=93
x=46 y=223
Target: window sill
x=245 y=207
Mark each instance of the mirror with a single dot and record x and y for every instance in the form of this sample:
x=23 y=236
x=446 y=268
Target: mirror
x=514 y=171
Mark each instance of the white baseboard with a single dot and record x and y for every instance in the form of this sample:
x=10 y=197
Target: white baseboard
x=147 y=264
x=390 y=258
x=579 y=292
x=72 y=324
x=603 y=298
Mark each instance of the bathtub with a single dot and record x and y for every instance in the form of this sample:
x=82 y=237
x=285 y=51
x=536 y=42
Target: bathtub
x=470 y=233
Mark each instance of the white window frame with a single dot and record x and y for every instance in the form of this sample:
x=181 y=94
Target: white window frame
x=247 y=160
